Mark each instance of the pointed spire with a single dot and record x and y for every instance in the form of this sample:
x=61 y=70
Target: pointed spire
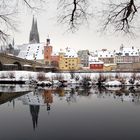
x=33 y=22
x=34 y=35
x=34 y=110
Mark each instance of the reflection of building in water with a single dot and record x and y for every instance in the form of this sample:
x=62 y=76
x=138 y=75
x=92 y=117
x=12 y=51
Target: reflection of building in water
x=32 y=99
x=34 y=110
x=60 y=92
x=48 y=98
x=47 y=95
x=35 y=100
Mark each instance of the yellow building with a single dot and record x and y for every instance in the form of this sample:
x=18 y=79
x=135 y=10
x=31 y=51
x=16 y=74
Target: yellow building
x=69 y=60
x=109 y=67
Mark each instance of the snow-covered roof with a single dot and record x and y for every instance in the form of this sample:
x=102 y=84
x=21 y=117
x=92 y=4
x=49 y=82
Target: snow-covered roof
x=128 y=51
x=104 y=53
x=32 y=51
x=32 y=99
x=69 y=53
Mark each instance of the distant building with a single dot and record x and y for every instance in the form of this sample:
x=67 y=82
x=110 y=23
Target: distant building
x=69 y=60
x=95 y=64
x=127 y=55
x=34 y=35
x=32 y=52
x=106 y=56
x=9 y=48
x=50 y=57
x=84 y=57
x=55 y=58
x=47 y=52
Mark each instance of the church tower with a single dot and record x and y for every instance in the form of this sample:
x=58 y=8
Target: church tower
x=34 y=35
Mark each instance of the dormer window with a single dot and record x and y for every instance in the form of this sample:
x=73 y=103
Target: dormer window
x=127 y=54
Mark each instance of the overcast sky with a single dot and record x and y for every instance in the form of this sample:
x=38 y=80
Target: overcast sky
x=87 y=37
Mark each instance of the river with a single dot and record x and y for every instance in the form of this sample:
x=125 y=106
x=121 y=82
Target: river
x=28 y=113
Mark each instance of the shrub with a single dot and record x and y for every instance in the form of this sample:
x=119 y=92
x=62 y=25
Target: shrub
x=11 y=75
x=41 y=76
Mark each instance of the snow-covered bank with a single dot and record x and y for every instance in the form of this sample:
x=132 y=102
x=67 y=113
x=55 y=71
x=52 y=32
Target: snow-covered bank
x=70 y=78
x=17 y=75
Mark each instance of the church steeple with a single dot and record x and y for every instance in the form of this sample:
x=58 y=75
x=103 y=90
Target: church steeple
x=34 y=110
x=34 y=35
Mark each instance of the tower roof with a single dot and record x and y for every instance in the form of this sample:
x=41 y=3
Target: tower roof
x=34 y=35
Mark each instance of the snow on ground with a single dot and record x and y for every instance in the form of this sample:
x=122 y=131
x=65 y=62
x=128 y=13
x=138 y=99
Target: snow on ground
x=27 y=75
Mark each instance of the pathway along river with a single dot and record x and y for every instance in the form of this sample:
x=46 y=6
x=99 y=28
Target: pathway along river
x=69 y=114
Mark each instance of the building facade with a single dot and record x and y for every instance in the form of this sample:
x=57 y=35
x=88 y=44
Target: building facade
x=84 y=57
x=69 y=60
x=127 y=55
x=95 y=64
x=105 y=56
x=47 y=52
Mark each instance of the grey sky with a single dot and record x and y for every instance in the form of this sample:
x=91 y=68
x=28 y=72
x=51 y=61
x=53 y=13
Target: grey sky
x=86 y=38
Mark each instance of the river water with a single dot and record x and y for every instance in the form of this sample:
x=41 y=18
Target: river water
x=69 y=113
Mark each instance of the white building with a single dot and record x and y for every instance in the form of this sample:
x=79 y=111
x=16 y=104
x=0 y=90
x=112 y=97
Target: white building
x=105 y=56
x=95 y=63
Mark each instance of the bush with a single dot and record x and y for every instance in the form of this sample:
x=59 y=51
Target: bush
x=11 y=75
x=41 y=76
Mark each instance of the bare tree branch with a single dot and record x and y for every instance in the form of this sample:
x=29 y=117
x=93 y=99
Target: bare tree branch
x=121 y=16
x=8 y=10
x=73 y=13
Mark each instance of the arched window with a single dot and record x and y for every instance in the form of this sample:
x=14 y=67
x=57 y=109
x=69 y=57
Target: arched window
x=18 y=65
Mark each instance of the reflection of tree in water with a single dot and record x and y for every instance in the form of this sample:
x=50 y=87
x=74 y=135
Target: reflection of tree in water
x=101 y=89
x=11 y=88
x=131 y=89
x=34 y=110
x=85 y=92
x=128 y=94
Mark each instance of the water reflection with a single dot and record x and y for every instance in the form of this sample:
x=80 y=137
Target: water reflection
x=35 y=100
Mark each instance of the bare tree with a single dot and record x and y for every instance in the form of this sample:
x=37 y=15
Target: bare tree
x=73 y=13
x=121 y=15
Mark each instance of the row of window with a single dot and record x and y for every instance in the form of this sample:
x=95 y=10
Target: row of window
x=68 y=68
